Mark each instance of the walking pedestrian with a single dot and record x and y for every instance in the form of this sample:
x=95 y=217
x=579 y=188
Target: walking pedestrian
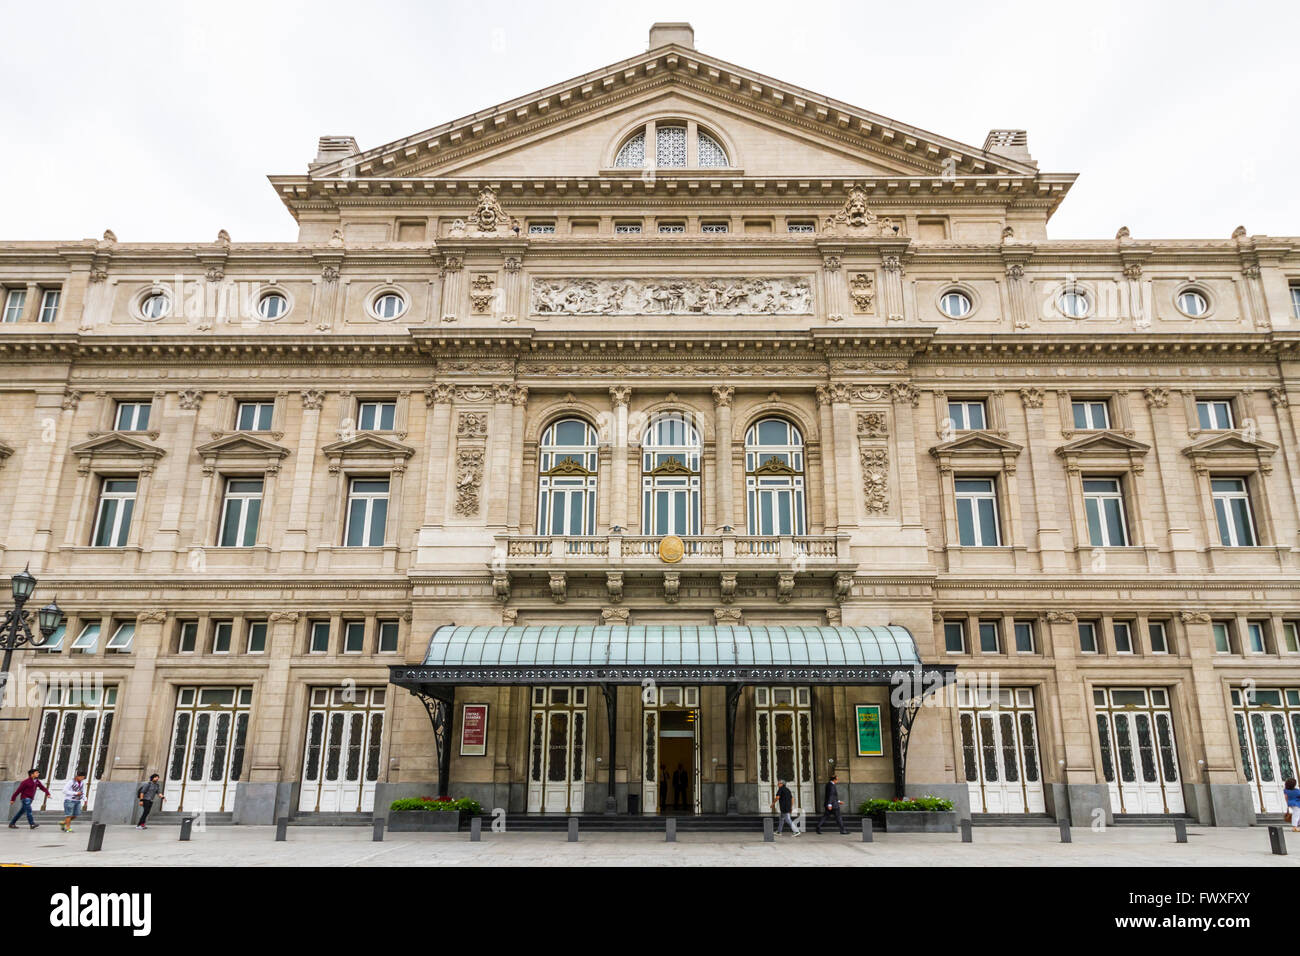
x=831 y=804
x=1292 y=794
x=74 y=795
x=27 y=791
x=786 y=799
x=148 y=791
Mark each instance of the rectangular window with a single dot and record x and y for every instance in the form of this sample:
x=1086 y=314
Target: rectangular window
x=541 y=228
x=977 y=513
x=122 y=638
x=387 y=637
x=1024 y=637
x=50 y=304
x=1255 y=638
x=1222 y=637
x=990 y=640
x=221 y=633
x=113 y=516
x=1233 y=511
x=376 y=416
x=671 y=228
x=87 y=640
x=627 y=228
x=800 y=228
x=1157 y=637
x=54 y=643
x=254 y=416
x=715 y=228
x=954 y=637
x=257 y=637
x=240 y=512
x=1214 y=413
x=1088 y=637
x=967 y=415
x=1295 y=300
x=132 y=416
x=354 y=637
x=367 y=513
x=320 y=637
x=1291 y=637
x=1123 y=634
x=1090 y=414
x=15 y=299
x=189 y=637
x=1103 y=501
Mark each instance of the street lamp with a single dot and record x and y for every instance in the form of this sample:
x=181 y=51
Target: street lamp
x=14 y=629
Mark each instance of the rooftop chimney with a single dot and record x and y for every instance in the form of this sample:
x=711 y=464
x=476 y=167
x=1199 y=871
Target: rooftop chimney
x=333 y=148
x=662 y=34
x=1011 y=143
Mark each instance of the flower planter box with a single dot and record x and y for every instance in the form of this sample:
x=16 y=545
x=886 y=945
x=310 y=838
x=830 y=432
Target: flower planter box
x=916 y=821
x=425 y=821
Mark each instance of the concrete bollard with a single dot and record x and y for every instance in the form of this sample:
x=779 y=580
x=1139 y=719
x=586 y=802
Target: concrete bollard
x=281 y=829
x=1277 y=840
x=187 y=827
x=1065 y=832
x=967 y=835
x=769 y=832
x=867 y=836
x=670 y=830
x=1180 y=831
x=573 y=829
x=377 y=830
x=96 y=842
x=476 y=830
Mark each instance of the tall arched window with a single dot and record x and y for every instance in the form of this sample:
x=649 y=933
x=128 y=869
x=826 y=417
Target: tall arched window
x=774 y=477
x=670 y=476
x=566 y=463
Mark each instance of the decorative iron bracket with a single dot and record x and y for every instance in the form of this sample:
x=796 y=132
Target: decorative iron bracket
x=439 y=702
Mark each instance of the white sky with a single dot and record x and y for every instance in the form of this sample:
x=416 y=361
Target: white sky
x=162 y=120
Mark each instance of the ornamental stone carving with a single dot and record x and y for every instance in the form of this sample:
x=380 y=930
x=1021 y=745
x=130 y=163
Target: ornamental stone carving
x=873 y=425
x=1015 y=272
x=1279 y=398
x=509 y=616
x=722 y=395
x=619 y=395
x=727 y=617
x=312 y=399
x=614 y=585
x=1157 y=397
x=469 y=480
x=472 y=425
x=893 y=264
x=833 y=617
x=727 y=586
x=672 y=296
x=191 y=399
x=439 y=394
x=903 y=392
x=672 y=586
x=784 y=586
x=71 y=400
x=501 y=586
x=863 y=289
x=843 y=585
x=1195 y=617
x=329 y=274
x=283 y=617
x=481 y=293
x=613 y=615
x=1032 y=397
x=856 y=219
x=1062 y=617
x=559 y=586
x=513 y=264
x=875 y=479
x=831 y=263
x=488 y=216
x=153 y=615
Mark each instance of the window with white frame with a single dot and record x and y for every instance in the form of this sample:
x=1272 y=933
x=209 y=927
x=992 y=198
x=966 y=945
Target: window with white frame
x=387 y=637
x=15 y=301
x=1222 y=636
x=955 y=304
x=50 y=305
x=977 y=512
x=319 y=637
x=367 y=513
x=672 y=228
x=954 y=637
x=1088 y=637
x=257 y=637
x=1295 y=299
x=1025 y=643
x=88 y=639
x=1291 y=637
x=240 y=512
x=122 y=637
x=254 y=416
x=627 y=228
x=113 y=514
x=222 y=636
x=1158 y=637
x=1074 y=303
x=390 y=305
x=1090 y=414
x=354 y=637
x=54 y=643
x=541 y=228
x=968 y=414
x=670 y=476
x=1122 y=632
x=1103 y=503
x=990 y=638
x=800 y=228
x=715 y=228
x=376 y=416
x=1214 y=413
x=670 y=149
x=132 y=416
x=1233 y=513
x=567 y=464
x=1256 y=637
x=1193 y=303
x=670 y=146
x=187 y=641
x=774 y=478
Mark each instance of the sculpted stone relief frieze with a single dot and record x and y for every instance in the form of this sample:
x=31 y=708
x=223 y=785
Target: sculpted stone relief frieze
x=469 y=481
x=660 y=369
x=672 y=296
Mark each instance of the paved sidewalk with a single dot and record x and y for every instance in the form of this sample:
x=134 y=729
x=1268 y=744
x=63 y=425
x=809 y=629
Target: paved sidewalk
x=352 y=846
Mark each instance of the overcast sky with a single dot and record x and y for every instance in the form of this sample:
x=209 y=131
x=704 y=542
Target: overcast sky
x=162 y=120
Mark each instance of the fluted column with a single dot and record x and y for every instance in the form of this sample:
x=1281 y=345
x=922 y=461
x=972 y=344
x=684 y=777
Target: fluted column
x=500 y=442
x=722 y=396
x=844 y=449
x=519 y=398
x=826 y=429
x=619 y=396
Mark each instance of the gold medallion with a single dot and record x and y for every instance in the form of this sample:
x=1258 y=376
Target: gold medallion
x=671 y=549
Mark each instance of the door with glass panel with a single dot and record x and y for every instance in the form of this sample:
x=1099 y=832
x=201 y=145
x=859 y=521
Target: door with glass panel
x=1000 y=756
x=1139 y=755
x=783 y=739
x=209 y=736
x=1267 y=722
x=341 y=759
x=75 y=729
x=670 y=726
x=557 y=749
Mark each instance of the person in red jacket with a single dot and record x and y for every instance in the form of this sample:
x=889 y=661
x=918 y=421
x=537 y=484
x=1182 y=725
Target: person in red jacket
x=27 y=790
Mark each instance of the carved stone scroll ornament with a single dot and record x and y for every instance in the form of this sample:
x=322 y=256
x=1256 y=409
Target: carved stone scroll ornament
x=1195 y=617
x=873 y=425
x=875 y=479
x=863 y=289
x=469 y=481
x=613 y=615
x=481 y=293
x=1062 y=617
x=727 y=617
x=672 y=296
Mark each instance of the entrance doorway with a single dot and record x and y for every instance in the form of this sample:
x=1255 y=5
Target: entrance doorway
x=999 y=746
x=671 y=751
x=1139 y=757
x=784 y=739
x=209 y=734
x=75 y=729
x=1268 y=725
x=557 y=750
x=340 y=766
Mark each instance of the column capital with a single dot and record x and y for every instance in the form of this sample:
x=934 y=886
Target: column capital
x=620 y=395
x=722 y=395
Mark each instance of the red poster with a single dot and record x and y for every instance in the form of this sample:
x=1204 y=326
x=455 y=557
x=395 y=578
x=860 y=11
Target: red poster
x=473 y=730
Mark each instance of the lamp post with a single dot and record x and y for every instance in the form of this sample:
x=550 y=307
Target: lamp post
x=14 y=629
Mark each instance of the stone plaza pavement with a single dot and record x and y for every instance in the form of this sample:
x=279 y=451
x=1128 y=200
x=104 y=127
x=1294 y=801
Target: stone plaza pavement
x=352 y=846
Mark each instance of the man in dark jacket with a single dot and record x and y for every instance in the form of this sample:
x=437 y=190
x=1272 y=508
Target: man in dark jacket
x=680 y=779
x=27 y=790
x=831 y=803
x=786 y=800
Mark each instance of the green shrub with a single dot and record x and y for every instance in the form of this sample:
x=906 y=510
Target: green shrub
x=914 y=804
x=463 y=805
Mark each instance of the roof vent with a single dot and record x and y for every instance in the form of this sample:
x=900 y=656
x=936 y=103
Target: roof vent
x=1011 y=143
x=330 y=149
x=662 y=34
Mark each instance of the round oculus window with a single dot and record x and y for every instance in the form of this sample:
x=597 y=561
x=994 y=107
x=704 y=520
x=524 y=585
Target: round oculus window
x=955 y=305
x=1193 y=303
x=1074 y=303
x=272 y=305
x=390 y=305
x=155 y=306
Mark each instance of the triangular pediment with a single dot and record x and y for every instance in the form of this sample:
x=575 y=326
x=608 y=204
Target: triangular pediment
x=242 y=444
x=1229 y=443
x=119 y=444
x=367 y=444
x=1104 y=442
x=975 y=443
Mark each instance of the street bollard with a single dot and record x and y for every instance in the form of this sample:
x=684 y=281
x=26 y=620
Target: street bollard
x=187 y=826
x=573 y=829
x=476 y=830
x=1065 y=832
x=967 y=836
x=1277 y=839
x=96 y=842
x=867 y=836
x=281 y=829
x=670 y=830
x=1180 y=831
x=769 y=835
x=377 y=830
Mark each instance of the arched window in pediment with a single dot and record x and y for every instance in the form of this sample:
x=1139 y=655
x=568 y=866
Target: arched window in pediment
x=671 y=148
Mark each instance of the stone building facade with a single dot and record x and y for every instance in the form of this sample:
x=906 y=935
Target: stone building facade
x=835 y=359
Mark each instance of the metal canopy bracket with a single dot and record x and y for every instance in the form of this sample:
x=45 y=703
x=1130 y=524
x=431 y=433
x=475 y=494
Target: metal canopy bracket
x=611 y=714
x=439 y=702
x=906 y=699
